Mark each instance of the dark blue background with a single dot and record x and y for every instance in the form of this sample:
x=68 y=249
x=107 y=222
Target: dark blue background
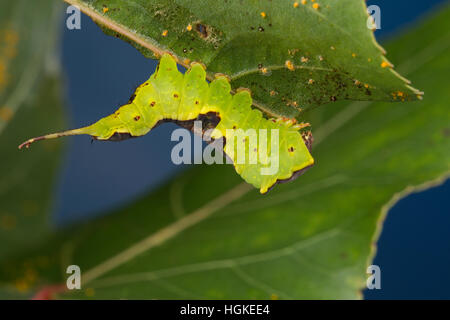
x=102 y=72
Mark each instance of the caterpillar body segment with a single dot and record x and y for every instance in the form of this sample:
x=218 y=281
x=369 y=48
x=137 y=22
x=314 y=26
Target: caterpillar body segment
x=172 y=96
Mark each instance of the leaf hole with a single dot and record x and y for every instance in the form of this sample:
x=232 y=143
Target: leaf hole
x=201 y=30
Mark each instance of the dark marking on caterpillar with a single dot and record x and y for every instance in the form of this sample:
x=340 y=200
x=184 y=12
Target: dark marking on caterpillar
x=133 y=96
x=118 y=136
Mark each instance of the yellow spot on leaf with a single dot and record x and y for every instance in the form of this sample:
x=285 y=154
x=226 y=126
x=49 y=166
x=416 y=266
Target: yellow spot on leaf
x=385 y=64
x=89 y=292
x=332 y=48
x=289 y=65
x=8 y=45
x=273 y=296
x=6 y=113
x=263 y=15
x=21 y=285
x=399 y=94
x=164 y=33
x=354 y=55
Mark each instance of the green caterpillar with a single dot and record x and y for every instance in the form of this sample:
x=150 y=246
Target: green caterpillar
x=171 y=95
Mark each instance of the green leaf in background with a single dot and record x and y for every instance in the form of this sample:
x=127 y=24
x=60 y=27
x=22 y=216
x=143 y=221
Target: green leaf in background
x=313 y=238
x=30 y=102
x=292 y=57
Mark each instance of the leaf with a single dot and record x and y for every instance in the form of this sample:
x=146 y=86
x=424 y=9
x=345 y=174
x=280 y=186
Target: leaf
x=206 y=235
x=292 y=59
x=29 y=92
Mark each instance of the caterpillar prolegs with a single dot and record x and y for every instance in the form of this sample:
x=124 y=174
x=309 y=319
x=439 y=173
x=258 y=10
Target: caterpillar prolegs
x=169 y=95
